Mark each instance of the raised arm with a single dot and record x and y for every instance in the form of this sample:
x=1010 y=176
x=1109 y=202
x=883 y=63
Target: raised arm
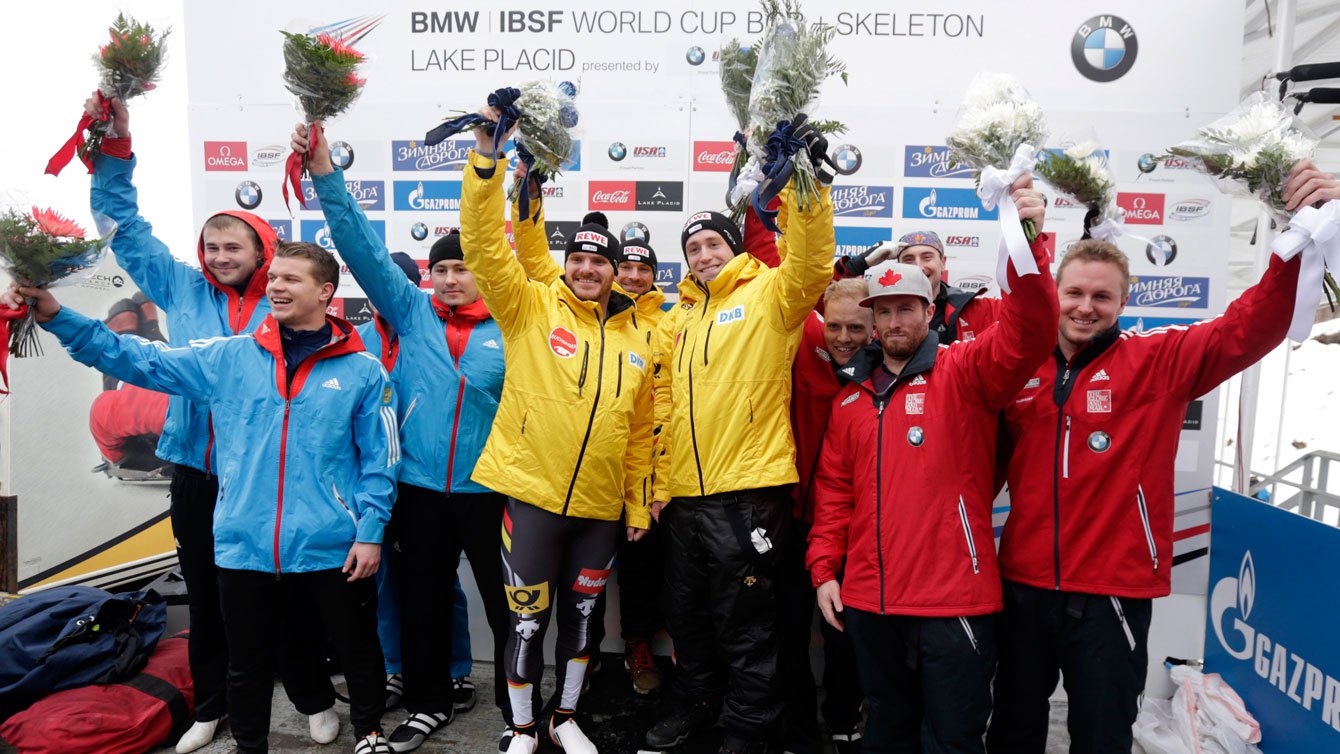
x=532 y=242
x=386 y=286
x=806 y=267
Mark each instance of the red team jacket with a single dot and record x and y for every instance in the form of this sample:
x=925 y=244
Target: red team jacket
x=905 y=478
x=1091 y=475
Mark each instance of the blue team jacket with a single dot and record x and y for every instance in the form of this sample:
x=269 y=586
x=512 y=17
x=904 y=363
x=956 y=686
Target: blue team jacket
x=304 y=469
x=450 y=366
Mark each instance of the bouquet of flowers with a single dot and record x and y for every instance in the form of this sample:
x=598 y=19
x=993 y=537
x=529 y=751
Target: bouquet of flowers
x=1081 y=172
x=322 y=72
x=998 y=131
x=794 y=61
x=738 y=64
x=41 y=249
x=129 y=65
x=1251 y=152
x=544 y=114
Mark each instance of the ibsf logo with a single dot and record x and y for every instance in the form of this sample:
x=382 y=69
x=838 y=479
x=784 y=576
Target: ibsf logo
x=1189 y=209
x=269 y=156
x=450 y=154
x=612 y=195
x=225 y=155
x=1231 y=605
x=713 y=156
x=973 y=282
x=1169 y=291
x=1141 y=209
x=928 y=161
x=863 y=201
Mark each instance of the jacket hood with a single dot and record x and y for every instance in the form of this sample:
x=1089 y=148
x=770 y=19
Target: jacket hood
x=256 y=287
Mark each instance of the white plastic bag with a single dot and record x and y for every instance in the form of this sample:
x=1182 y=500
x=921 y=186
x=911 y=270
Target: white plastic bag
x=1205 y=716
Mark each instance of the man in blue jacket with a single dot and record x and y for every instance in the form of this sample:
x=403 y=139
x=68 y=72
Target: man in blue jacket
x=307 y=451
x=225 y=296
x=450 y=376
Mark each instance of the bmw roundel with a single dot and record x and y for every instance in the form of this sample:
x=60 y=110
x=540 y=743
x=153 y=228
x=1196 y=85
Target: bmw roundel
x=342 y=155
x=635 y=231
x=418 y=231
x=617 y=151
x=1104 y=48
x=248 y=195
x=915 y=437
x=1161 y=251
x=846 y=159
x=1147 y=163
x=1099 y=442
x=695 y=55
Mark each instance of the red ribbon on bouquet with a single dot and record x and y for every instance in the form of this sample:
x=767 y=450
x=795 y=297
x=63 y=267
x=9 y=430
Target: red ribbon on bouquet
x=7 y=316
x=71 y=147
x=296 y=166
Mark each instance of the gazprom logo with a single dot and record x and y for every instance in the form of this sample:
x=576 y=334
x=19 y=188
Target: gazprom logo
x=317 y=232
x=451 y=154
x=944 y=204
x=863 y=201
x=434 y=196
x=852 y=240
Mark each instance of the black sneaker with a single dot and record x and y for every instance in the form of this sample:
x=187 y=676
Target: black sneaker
x=411 y=734
x=734 y=745
x=373 y=743
x=395 y=690
x=462 y=695
x=682 y=723
x=847 y=743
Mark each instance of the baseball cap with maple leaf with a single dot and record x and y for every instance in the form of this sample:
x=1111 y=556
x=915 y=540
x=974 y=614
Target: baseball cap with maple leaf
x=894 y=279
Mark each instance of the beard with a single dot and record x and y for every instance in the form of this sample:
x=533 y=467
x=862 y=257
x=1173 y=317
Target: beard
x=903 y=346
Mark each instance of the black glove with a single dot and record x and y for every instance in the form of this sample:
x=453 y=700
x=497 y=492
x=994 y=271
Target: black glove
x=817 y=146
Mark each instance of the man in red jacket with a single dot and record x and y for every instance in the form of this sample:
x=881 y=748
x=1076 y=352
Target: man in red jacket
x=903 y=509
x=1088 y=543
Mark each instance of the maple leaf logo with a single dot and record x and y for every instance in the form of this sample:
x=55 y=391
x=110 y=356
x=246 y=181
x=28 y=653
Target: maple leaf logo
x=890 y=278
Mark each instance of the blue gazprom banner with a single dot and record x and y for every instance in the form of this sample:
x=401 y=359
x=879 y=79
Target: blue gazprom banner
x=1272 y=621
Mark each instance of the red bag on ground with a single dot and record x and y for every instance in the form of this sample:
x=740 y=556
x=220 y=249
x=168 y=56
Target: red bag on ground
x=132 y=717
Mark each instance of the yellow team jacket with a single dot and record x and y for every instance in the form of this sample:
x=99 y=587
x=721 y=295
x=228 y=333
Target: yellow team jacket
x=723 y=365
x=573 y=431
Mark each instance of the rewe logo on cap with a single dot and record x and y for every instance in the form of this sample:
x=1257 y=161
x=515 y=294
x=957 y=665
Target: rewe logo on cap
x=590 y=236
x=698 y=218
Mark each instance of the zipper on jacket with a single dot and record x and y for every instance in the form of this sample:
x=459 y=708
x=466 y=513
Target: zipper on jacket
x=283 y=451
x=455 y=427
x=524 y=417
x=1125 y=627
x=343 y=504
x=967 y=533
x=707 y=342
x=586 y=358
x=618 y=388
x=1144 y=521
x=693 y=435
x=683 y=346
x=1065 y=451
x=209 y=445
x=879 y=502
x=590 y=421
x=1056 y=486
x=967 y=629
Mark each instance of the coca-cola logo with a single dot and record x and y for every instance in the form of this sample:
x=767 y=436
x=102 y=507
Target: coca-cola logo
x=612 y=195
x=226 y=156
x=713 y=156
x=621 y=195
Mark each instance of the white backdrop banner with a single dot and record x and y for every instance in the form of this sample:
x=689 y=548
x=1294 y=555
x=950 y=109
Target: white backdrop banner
x=654 y=131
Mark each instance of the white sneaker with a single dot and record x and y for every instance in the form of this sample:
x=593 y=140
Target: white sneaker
x=197 y=736
x=570 y=738
x=522 y=743
x=324 y=726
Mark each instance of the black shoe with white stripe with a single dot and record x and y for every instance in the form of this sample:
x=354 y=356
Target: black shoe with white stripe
x=411 y=734
x=373 y=743
x=395 y=690
x=462 y=695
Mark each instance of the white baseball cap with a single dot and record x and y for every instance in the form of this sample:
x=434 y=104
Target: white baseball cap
x=894 y=279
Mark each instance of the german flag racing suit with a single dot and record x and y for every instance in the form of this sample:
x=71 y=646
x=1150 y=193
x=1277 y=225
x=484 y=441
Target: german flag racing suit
x=1089 y=539
x=307 y=461
x=449 y=378
x=727 y=460
x=903 y=512
x=570 y=446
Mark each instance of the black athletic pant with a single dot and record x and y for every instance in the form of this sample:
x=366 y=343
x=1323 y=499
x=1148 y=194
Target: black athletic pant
x=429 y=530
x=1098 y=644
x=551 y=560
x=258 y=606
x=638 y=570
x=842 y=687
x=928 y=681
x=721 y=603
x=193 y=494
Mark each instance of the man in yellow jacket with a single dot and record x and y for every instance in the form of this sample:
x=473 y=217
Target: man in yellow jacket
x=726 y=460
x=570 y=445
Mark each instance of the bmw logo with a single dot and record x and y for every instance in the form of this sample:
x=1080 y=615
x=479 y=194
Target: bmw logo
x=418 y=231
x=1099 y=442
x=695 y=55
x=915 y=437
x=1161 y=251
x=847 y=159
x=342 y=155
x=617 y=151
x=635 y=231
x=1104 y=48
x=1147 y=163
x=248 y=195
